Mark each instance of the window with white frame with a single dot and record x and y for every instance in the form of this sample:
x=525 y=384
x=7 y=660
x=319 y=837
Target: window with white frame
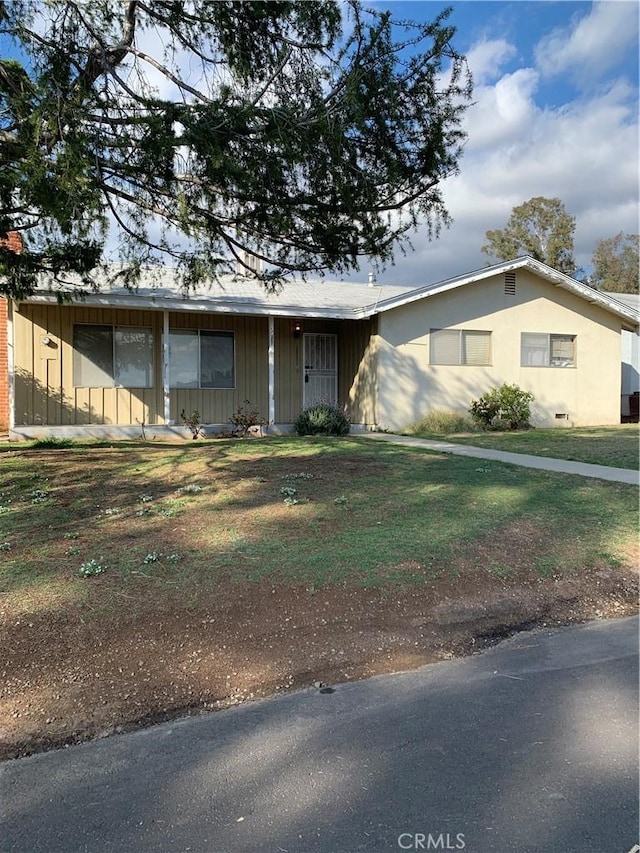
x=459 y=346
x=201 y=359
x=546 y=350
x=106 y=356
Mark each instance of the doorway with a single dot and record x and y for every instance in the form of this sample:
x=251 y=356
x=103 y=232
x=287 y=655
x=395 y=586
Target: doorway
x=320 y=382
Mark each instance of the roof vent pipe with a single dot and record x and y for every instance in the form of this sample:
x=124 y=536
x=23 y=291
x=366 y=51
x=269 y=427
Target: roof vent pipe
x=372 y=279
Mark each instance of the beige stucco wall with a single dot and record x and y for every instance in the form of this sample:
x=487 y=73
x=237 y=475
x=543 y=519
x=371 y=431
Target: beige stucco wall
x=408 y=386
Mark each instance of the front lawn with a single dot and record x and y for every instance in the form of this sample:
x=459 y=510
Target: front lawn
x=614 y=446
x=140 y=580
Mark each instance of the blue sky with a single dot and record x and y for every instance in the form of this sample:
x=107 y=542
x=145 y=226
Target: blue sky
x=555 y=114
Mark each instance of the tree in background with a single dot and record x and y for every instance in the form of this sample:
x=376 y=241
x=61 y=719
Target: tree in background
x=209 y=132
x=615 y=264
x=540 y=227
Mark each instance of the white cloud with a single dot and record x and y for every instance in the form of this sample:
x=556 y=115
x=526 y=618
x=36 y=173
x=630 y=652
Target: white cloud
x=487 y=57
x=584 y=152
x=592 y=45
x=501 y=112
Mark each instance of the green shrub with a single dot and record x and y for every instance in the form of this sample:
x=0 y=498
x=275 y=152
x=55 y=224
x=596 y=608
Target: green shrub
x=52 y=443
x=485 y=410
x=508 y=406
x=443 y=423
x=322 y=419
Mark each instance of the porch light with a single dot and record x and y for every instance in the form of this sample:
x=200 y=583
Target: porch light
x=296 y=328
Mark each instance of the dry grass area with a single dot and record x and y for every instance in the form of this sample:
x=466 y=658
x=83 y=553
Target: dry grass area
x=236 y=570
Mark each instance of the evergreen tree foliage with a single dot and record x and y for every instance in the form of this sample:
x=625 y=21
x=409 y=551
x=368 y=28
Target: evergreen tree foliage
x=207 y=134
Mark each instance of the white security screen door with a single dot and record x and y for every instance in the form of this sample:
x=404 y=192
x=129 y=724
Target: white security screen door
x=320 y=369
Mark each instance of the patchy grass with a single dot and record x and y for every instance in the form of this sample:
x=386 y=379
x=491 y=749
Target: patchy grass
x=617 y=446
x=316 y=512
x=152 y=579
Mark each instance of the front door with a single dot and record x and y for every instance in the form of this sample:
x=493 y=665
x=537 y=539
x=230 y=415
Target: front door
x=320 y=369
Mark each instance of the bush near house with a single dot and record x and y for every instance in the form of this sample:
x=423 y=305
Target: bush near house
x=506 y=406
x=322 y=419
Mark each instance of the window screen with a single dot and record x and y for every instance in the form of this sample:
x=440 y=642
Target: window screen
x=561 y=350
x=184 y=359
x=542 y=350
x=459 y=346
x=445 y=346
x=104 y=356
x=534 y=350
x=133 y=351
x=216 y=360
x=201 y=359
x=476 y=347
x=93 y=356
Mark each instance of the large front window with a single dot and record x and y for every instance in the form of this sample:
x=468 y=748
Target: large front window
x=201 y=359
x=108 y=356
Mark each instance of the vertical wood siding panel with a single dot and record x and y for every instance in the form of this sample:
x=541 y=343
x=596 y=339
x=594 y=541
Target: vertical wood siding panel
x=356 y=376
x=56 y=367
x=23 y=337
x=155 y=396
x=39 y=366
x=123 y=407
x=66 y=367
x=82 y=406
x=289 y=372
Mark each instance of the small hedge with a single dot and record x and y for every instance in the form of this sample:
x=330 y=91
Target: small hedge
x=322 y=419
x=505 y=407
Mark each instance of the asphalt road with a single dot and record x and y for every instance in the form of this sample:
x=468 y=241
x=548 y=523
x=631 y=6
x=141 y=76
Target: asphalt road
x=530 y=746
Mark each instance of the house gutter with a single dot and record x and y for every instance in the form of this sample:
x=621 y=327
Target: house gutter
x=203 y=306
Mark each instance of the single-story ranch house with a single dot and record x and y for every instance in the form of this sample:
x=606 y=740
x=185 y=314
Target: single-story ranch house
x=109 y=362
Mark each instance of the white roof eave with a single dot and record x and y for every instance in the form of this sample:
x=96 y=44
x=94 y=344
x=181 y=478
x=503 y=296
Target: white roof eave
x=163 y=303
x=554 y=277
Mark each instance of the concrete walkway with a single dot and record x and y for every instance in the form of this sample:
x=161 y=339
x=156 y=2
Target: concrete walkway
x=562 y=466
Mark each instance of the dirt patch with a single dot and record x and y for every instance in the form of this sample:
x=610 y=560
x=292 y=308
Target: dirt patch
x=65 y=679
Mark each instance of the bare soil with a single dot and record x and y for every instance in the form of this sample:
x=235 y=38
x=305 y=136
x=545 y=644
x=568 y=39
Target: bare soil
x=64 y=679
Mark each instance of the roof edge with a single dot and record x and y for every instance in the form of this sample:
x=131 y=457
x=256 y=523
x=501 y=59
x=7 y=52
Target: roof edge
x=525 y=262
